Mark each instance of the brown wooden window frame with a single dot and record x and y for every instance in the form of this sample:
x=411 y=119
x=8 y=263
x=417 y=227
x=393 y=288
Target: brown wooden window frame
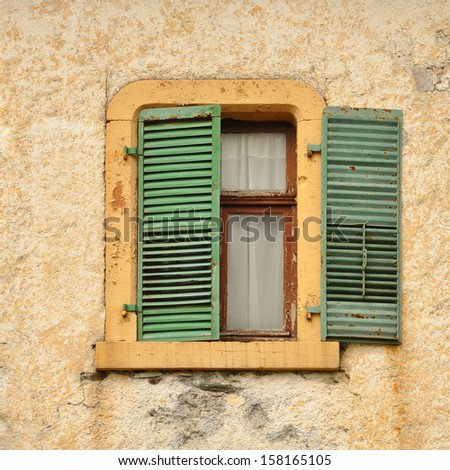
x=254 y=202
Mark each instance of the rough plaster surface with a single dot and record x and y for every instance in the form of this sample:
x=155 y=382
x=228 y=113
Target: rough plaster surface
x=62 y=62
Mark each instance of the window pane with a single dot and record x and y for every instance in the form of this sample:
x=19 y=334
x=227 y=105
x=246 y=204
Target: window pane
x=253 y=161
x=255 y=272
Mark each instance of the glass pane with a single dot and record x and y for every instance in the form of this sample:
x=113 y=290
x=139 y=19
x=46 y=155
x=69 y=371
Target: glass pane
x=253 y=161
x=255 y=272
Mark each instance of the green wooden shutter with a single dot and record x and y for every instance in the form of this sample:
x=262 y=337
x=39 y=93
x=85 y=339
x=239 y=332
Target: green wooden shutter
x=178 y=249
x=360 y=293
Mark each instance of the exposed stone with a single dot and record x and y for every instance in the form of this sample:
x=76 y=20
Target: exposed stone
x=443 y=84
x=423 y=78
x=442 y=38
x=235 y=400
x=286 y=433
x=257 y=416
x=155 y=380
x=217 y=387
x=147 y=375
x=93 y=376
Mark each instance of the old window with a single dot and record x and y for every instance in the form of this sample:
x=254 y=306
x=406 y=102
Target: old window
x=243 y=100
x=258 y=199
x=179 y=182
x=348 y=287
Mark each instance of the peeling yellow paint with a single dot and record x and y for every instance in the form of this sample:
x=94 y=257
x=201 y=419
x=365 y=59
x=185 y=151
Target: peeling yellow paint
x=118 y=199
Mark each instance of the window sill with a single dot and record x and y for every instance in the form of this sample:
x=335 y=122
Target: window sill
x=257 y=355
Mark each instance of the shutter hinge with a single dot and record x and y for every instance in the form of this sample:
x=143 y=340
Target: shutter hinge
x=130 y=150
x=310 y=311
x=129 y=308
x=313 y=148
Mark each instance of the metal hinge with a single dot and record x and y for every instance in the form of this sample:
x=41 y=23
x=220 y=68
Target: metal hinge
x=310 y=310
x=129 y=308
x=130 y=150
x=313 y=148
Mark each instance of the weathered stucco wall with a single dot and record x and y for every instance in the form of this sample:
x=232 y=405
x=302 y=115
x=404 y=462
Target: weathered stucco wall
x=64 y=60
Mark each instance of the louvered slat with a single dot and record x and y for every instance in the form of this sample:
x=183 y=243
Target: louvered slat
x=179 y=204
x=360 y=208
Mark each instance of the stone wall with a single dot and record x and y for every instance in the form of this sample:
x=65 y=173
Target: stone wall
x=63 y=61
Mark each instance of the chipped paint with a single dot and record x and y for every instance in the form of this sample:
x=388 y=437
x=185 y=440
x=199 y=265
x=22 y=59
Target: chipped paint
x=118 y=199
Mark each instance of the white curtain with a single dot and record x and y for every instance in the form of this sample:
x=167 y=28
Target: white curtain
x=253 y=161
x=255 y=273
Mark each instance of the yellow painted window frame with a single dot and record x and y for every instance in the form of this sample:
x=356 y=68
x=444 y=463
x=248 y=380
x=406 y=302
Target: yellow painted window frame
x=274 y=100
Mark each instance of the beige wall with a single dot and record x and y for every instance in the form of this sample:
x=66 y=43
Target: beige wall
x=64 y=60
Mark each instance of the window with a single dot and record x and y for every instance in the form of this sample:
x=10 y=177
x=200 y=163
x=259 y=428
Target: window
x=360 y=179
x=258 y=213
x=179 y=185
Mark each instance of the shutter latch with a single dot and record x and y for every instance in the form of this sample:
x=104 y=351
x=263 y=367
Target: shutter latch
x=128 y=308
x=364 y=261
x=313 y=148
